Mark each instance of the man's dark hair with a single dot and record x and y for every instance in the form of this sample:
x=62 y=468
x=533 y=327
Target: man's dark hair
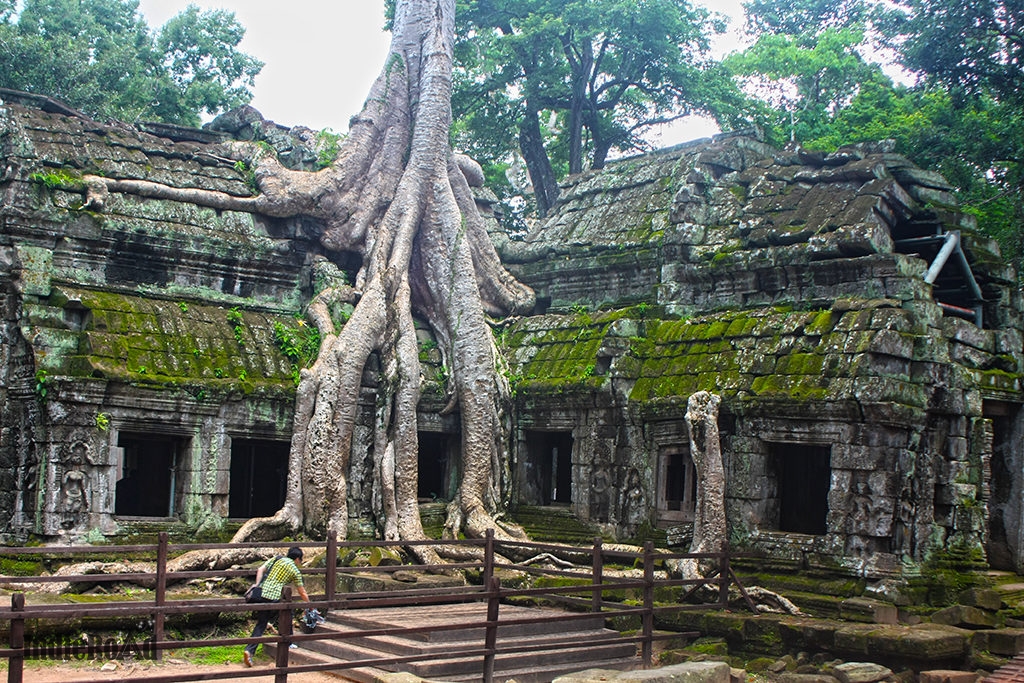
x=295 y=553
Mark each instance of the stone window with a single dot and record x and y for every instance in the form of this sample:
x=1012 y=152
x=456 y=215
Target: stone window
x=677 y=485
x=436 y=466
x=547 y=471
x=259 y=475
x=802 y=476
x=148 y=482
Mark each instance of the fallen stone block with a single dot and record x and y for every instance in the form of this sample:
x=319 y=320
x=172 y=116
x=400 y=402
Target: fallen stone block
x=687 y=672
x=860 y=672
x=1008 y=642
x=947 y=676
x=965 y=616
x=868 y=610
x=983 y=598
x=804 y=678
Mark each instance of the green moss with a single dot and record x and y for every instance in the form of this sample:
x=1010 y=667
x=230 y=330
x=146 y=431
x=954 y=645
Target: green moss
x=822 y=323
x=15 y=566
x=157 y=342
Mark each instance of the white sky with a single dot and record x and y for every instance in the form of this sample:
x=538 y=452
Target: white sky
x=322 y=56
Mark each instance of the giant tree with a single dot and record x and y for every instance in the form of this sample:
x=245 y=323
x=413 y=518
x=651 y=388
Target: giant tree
x=581 y=78
x=398 y=198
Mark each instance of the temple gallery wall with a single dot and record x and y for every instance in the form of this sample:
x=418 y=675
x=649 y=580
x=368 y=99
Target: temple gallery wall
x=864 y=336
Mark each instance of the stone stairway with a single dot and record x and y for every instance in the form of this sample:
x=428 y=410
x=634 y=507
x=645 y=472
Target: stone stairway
x=578 y=648
x=1013 y=672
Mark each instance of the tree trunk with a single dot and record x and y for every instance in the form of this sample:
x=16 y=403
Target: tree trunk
x=709 y=527
x=396 y=196
x=531 y=144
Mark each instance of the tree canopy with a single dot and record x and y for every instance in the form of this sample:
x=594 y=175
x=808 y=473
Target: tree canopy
x=101 y=57
x=958 y=113
x=575 y=80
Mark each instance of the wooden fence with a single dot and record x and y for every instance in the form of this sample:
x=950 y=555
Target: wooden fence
x=588 y=593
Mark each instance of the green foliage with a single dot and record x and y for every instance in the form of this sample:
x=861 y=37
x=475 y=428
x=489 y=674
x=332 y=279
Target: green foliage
x=806 y=79
x=300 y=344
x=200 y=54
x=327 y=144
x=183 y=306
x=57 y=179
x=99 y=56
x=962 y=117
x=237 y=321
x=102 y=421
x=42 y=383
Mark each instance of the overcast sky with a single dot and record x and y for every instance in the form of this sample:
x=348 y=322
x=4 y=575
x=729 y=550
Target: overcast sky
x=322 y=56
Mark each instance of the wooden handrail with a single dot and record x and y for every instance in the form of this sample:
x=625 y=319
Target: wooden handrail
x=588 y=596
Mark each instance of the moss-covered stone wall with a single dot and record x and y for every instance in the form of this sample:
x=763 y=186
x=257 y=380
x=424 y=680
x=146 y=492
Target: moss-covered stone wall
x=790 y=283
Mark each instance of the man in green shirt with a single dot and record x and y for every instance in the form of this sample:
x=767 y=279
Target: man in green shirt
x=272 y=576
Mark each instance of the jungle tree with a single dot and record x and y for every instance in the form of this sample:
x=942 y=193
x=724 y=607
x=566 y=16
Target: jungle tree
x=100 y=56
x=577 y=79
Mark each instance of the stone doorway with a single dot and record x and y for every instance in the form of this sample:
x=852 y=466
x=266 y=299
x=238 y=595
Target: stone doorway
x=1004 y=533
x=677 y=485
x=259 y=475
x=547 y=469
x=435 y=473
x=802 y=475
x=148 y=484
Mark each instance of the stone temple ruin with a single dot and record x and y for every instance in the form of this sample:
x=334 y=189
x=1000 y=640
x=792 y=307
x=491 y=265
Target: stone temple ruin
x=864 y=337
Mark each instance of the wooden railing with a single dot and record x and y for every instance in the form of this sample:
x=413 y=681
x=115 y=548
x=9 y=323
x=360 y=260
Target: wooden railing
x=586 y=596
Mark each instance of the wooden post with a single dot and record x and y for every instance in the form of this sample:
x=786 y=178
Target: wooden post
x=160 y=594
x=488 y=570
x=491 y=630
x=647 y=644
x=331 y=578
x=598 y=574
x=723 y=576
x=16 y=664
x=284 y=630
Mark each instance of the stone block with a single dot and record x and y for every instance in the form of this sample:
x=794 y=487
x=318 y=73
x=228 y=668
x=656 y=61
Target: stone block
x=860 y=672
x=947 y=676
x=804 y=678
x=964 y=616
x=926 y=642
x=980 y=597
x=868 y=610
x=1008 y=642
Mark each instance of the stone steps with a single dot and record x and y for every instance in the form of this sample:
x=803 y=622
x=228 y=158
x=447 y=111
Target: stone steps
x=578 y=642
x=1013 y=672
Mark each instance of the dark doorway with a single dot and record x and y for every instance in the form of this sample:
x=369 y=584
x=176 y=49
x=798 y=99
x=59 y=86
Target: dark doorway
x=434 y=466
x=548 y=472
x=677 y=485
x=803 y=476
x=259 y=476
x=149 y=467
x=1004 y=490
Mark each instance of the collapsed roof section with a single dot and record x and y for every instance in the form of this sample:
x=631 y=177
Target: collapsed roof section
x=733 y=223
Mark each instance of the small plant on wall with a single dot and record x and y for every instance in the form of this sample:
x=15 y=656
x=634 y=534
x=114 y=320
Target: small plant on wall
x=299 y=344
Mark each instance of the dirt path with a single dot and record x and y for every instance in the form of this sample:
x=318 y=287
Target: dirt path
x=139 y=671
